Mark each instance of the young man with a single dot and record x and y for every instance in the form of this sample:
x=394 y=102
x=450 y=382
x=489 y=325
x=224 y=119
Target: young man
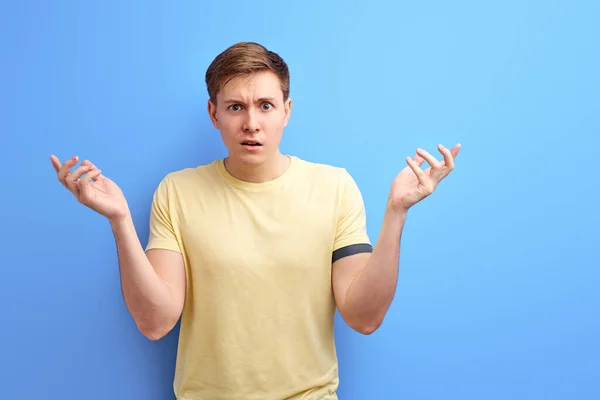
x=255 y=252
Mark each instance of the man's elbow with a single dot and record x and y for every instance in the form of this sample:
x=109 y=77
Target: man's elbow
x=154 y=334
x=156 y=331
x=366 y=328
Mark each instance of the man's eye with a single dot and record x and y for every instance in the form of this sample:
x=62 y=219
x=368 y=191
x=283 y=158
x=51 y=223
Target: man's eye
x=267 y=106
x=235 y=107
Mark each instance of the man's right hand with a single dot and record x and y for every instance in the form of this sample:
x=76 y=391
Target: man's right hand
x=93 y=190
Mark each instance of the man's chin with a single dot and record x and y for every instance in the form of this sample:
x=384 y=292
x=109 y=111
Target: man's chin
x=249 y=158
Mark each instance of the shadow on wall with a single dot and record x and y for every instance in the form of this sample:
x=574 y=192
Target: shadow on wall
x=183 y=147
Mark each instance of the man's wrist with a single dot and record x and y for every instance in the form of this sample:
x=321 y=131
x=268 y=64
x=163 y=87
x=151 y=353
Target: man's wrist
x=395 y=215
x=395 y=209
x=121 y=221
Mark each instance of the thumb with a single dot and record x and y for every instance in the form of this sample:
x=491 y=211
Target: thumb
x=85 y=185
x=418 y=159
x=99 y=176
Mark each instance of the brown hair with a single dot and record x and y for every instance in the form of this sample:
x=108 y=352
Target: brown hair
x=245 y=58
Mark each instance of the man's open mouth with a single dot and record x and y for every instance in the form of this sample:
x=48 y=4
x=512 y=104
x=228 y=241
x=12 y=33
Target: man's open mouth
x=251 y=143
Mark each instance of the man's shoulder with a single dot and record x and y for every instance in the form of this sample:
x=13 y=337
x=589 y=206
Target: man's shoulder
x=320 y=167
x=197 y=175
x=321 y=171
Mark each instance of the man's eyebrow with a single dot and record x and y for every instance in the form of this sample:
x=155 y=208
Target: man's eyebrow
x=269 y=99
x=236 y=101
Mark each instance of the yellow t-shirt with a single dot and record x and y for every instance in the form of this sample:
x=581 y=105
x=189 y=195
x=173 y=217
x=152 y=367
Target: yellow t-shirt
x=259 y=311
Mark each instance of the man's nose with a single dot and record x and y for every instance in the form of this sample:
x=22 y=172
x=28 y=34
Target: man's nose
x=251 y=122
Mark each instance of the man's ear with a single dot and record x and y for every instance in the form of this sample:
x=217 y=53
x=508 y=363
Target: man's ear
x=288 y=111
x=212 y=113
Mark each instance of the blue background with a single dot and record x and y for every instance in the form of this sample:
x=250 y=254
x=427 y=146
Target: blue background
x=499 y=285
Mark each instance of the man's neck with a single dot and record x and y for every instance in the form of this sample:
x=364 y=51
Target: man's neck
x=271 y=169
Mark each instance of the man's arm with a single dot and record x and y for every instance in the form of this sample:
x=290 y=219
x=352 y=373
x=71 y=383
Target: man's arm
x=153 y=283
x=364 y=284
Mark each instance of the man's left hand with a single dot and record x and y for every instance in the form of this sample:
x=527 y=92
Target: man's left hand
x=413 y=184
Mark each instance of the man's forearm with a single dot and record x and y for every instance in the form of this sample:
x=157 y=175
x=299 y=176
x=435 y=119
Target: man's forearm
x=146 y=294
x=372 y=291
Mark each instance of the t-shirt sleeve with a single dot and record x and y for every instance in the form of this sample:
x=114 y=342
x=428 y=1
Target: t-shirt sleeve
x=351 y=234
x=162 y=233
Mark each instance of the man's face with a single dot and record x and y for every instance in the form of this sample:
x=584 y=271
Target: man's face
x=251 y=114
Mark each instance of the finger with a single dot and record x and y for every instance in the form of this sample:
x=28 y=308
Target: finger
x=448 y=158
x=65 y=168
x=418 y=159
x=55 y=162
x=93 y=174
x=421 y=176
x=431 y=160
x=74 y=177
x=436 y=166
x=85 y=183
x=99 y=177
x=88 y=163
x=455 y=150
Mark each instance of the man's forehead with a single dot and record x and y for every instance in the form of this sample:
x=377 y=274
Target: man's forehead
x=259 y=85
